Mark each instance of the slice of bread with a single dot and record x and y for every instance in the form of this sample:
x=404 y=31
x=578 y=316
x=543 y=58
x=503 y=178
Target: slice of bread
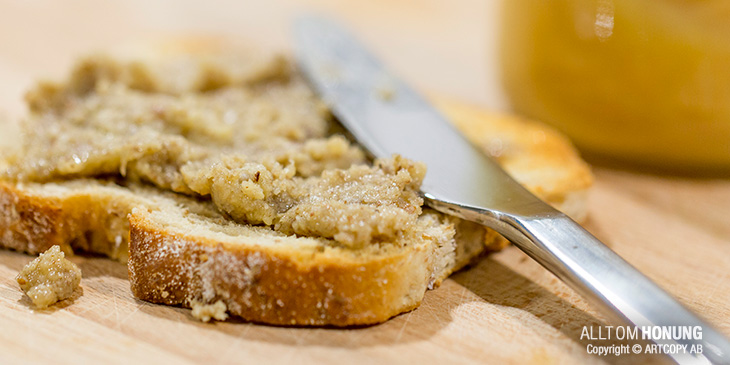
x=185 y=261
x=180 y=258
x=186 y=250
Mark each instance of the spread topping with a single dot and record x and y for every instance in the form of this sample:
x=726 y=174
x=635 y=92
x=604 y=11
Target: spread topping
x=248 y=134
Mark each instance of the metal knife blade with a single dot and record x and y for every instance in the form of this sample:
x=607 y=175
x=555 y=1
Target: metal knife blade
x=386 y=117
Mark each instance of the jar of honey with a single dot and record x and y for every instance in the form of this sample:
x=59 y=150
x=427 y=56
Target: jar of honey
x=640 y=81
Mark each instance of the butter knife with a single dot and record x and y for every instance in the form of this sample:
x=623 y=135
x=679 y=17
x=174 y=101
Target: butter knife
x=387 y=117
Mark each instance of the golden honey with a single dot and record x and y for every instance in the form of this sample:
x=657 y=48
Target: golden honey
x=640 y=81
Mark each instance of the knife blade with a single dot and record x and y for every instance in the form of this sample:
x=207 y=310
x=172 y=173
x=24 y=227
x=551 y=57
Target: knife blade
x=387 y=117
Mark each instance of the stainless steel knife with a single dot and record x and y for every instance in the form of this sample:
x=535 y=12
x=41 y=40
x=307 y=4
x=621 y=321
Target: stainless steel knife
x=387 y=117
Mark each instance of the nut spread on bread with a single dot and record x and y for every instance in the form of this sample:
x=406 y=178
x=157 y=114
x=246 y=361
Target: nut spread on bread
x=255 y=140
x=221 y=181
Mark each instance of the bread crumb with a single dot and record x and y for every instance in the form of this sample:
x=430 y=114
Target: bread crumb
x=206 y=312
x=49 y=278
x=386 y=92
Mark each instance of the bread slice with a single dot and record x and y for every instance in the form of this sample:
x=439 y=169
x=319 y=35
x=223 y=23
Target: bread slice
x=179 y=258
x=81 y=215
x=182 y=250
x=185 y=261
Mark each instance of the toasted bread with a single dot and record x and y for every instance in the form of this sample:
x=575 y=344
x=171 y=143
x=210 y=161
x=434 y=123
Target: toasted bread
x=190 y=250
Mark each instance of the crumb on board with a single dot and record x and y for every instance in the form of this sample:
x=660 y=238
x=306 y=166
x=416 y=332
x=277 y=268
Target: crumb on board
x=49 y=278
x=386 y=92
x=206 y=312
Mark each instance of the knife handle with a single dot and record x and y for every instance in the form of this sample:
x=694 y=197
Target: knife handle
x=597 y=273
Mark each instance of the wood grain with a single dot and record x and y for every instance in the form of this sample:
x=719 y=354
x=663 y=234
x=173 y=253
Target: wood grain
x=504 y=309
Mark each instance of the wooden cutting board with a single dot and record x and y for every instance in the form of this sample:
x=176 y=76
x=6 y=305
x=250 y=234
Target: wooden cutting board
x=504 y=309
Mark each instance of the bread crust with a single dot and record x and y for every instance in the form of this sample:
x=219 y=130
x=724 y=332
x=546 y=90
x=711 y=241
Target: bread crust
x=82 y=216
x=266 y=285
x=29 y=223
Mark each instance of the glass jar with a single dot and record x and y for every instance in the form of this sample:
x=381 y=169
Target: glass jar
x=639 y=81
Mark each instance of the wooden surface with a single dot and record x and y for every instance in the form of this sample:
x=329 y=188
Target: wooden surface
x=505 y=309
